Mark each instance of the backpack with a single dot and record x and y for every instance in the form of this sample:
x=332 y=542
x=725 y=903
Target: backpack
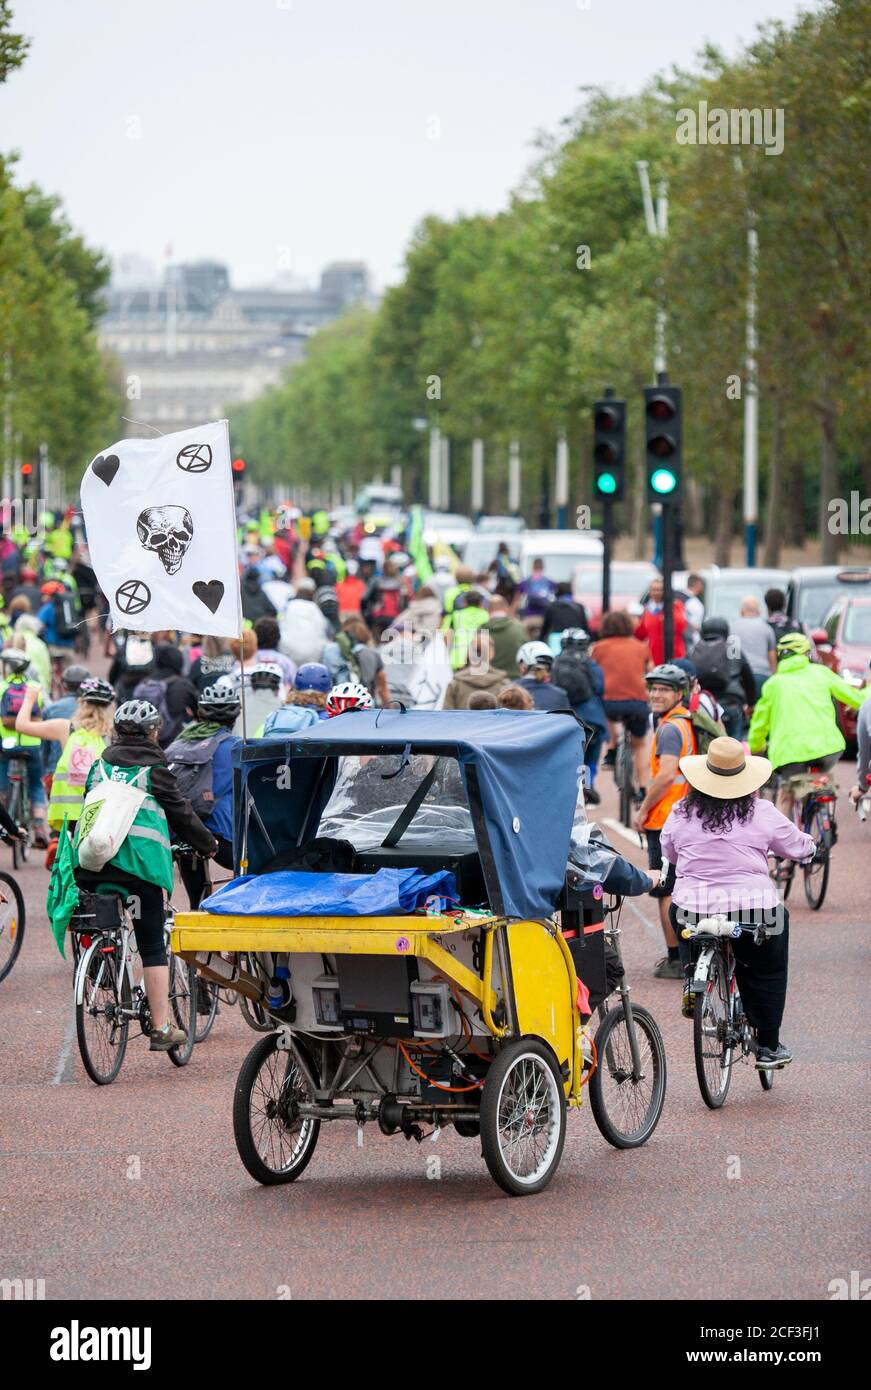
x=389 y=604
x=11 y=702
x=66 y=614
x=705 y=728
x=572 y=671
x=715 y=669
x=348 y=647
x=192 y=762
x=154 y=691
x=290 y=719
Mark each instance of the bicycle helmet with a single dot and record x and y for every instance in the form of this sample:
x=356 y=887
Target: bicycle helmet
x=535 y=654
x=96 y=691
x=17 y=660
x=313 y=675
x=327 y=599
x=793 y=644
x=219 y=702
x=350 y=695
x=73 y=676
x=575 y=637
x=136 y=717
x=51 y=587
x=712 y=628
x=668 y=674
x=266 y=675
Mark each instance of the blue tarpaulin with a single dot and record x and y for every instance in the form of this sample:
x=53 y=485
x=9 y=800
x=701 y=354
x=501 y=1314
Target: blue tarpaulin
x=293 y=893
x=520 y=770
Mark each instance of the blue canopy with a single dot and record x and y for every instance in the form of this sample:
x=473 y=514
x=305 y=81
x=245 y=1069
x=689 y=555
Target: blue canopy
x=520 y=771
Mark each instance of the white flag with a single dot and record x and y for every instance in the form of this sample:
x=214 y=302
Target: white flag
x=161 y=526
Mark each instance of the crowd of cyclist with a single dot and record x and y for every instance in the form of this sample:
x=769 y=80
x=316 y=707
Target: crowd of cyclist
x=324 y=613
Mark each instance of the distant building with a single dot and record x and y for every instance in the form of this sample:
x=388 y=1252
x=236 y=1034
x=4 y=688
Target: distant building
x=193 y=345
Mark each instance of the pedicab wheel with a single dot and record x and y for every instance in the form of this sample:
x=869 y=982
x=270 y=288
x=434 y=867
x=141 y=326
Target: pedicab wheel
x=183 y=1006
x=627 y=1107
x=523 y=1117
x=274 y=1142
x=468 y=1129
x=255 y=1016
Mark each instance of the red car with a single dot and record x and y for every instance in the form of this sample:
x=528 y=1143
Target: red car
x=630 y=580
x=844 y=644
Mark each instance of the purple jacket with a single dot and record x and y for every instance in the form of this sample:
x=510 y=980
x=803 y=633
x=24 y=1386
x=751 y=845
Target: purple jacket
x=729 y=871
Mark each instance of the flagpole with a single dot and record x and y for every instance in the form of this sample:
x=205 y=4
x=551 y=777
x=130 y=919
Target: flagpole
x=226 y=425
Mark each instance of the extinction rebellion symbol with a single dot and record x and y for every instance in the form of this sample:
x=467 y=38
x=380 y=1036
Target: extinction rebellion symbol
x=133 y=596
x=195 y=458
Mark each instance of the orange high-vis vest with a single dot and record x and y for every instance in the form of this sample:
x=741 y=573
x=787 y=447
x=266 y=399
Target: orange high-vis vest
x=679 y=787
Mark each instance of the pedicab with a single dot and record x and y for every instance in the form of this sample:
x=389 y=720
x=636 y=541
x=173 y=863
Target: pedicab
x=399 y=920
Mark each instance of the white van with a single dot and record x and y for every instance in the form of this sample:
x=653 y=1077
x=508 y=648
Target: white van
x=560 y=550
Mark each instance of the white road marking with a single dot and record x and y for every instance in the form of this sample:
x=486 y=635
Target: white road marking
x=620 y=829
x=64 y=1069
x=654 y=931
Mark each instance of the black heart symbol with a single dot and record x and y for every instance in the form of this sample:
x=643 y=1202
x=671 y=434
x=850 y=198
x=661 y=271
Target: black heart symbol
x=106 y=468
x=210 y=594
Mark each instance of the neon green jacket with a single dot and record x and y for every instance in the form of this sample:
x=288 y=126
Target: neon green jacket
x=795 y=715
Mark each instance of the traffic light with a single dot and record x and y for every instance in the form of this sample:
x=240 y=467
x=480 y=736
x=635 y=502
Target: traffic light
x=662 y=418
x=609 y=449
x=238 y=467
x=28 y=479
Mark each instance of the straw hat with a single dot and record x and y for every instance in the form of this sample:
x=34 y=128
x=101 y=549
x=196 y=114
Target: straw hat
x=725 y=771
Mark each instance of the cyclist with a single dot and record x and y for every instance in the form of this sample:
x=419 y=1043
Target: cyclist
x=13 y=691
x=795 y=716
x=82 y=738
x=719 y=837
x=266 y=680
x=863 y=738
x=583 y=680
x=535 y=662
x=673 y=739
x=142 y=868
x=201 y=760
x=57 y=632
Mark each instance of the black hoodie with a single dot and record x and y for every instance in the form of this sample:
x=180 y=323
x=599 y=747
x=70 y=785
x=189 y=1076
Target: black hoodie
x=183 y=821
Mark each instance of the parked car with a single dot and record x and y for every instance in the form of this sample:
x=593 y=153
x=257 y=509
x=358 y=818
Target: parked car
x=813 y=589
x=561 y=552
x=505 y=525
x=843 y=642
x=630 y=580
x=726 y=588
x=451 y=528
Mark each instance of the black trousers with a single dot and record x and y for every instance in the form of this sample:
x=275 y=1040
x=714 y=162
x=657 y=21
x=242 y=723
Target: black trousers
x=193 y=871
x=148 y=919
x=761 y=972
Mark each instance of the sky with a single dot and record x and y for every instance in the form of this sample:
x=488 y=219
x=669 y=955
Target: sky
x=278 y=135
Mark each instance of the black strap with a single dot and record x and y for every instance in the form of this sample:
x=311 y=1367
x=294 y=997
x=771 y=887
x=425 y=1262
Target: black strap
x=408 y=813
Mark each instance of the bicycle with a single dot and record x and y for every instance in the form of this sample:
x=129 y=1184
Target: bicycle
x=12 y=920
x=210 y=993
x=18 y=804
x=720 y=1025
x=813 y=812
x=863 y=802
x=627 y=1085
x=108 y=1000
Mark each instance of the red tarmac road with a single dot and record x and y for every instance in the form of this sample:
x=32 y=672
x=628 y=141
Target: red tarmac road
x=136 y=1190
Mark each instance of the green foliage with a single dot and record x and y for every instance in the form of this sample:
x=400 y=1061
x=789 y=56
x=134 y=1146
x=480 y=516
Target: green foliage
x=522 y=327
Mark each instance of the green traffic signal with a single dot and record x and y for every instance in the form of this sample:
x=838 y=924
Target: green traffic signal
x=607 y=483
x=663 y=481
x=609 y=448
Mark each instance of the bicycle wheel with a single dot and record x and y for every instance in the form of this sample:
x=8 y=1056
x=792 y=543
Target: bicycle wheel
x=767 y=1079
x=712 y=1023
x=12 y=922
x=15 y=809
x=626 y=1106
x=523 y=1117
x=101 y=1026
x=274 y=1142
x=183 y=1007
x=816 y=876
x=207 y=1007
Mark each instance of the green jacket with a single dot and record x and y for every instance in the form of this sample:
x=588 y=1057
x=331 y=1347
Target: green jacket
x=794 y=714
x=145 y=852
x=460 y=625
